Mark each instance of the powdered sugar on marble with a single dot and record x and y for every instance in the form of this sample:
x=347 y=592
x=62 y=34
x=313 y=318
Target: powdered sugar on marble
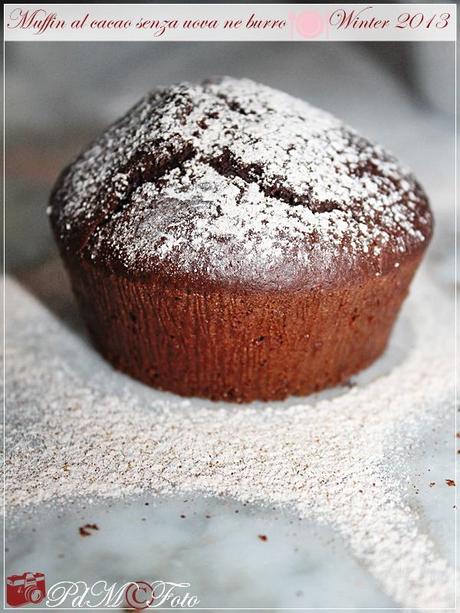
x=76 y=428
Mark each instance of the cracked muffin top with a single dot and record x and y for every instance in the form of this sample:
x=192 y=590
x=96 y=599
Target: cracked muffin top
x=232 y=182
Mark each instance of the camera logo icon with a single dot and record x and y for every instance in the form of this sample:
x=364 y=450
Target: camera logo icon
x=25 y=589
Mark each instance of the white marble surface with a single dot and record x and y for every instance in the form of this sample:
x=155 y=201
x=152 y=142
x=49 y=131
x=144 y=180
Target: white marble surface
x=215 y=548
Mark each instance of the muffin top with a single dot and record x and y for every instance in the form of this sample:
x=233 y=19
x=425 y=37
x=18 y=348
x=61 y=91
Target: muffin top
x=232 y=182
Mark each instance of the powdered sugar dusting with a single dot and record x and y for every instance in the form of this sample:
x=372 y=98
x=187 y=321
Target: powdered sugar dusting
x=234 y=178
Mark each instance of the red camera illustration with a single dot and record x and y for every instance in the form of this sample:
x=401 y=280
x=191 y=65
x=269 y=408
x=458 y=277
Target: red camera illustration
x=28 y=588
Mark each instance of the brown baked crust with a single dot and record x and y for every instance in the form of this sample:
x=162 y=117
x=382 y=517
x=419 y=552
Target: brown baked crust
x=231 y=183
x=226 y=240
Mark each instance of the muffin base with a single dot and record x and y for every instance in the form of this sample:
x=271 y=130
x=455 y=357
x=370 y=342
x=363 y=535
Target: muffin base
x=239 y=346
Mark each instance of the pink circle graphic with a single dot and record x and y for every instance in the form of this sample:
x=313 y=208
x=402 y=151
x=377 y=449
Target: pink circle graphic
x=309 y=24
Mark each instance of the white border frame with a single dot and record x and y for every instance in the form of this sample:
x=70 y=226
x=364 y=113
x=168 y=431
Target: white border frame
x=455 y=354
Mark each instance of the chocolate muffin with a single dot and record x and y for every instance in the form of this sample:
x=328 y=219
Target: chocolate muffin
x=229 y=241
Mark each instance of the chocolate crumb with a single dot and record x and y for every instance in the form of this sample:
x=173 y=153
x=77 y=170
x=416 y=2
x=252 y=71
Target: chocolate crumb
x=450 y=482
x=262 y=537
x=87 y=529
